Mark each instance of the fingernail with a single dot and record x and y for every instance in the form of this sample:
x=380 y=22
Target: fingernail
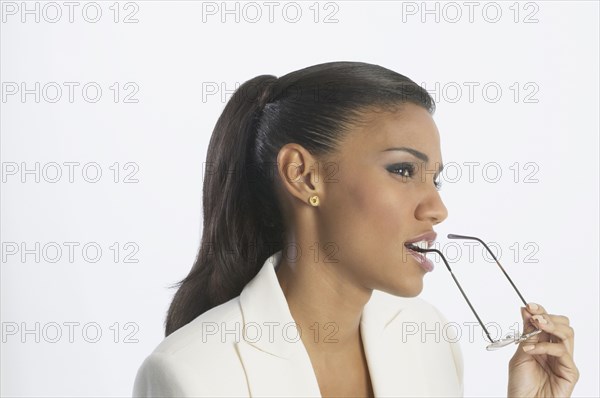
x=528 y=347
x=540 y=319
x=533 y=306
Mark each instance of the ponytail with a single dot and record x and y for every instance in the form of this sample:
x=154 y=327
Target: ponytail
x=233 y=242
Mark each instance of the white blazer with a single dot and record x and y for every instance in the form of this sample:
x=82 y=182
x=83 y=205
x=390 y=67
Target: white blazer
x=249 y=346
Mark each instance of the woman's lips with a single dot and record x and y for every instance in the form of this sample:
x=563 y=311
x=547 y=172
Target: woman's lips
x=422 y=241
x=429 y=237
x=423 y=261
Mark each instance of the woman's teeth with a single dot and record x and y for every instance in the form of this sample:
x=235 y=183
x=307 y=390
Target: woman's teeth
x=420 y=244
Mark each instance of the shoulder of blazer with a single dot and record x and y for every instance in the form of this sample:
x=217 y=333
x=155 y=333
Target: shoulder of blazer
x=199 y=356
x=195 y=335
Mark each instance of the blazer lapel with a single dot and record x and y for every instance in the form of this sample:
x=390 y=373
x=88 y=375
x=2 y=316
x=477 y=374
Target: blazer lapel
x=406 y=355
x=392 y=363
x=272 y=354
x=272 y=376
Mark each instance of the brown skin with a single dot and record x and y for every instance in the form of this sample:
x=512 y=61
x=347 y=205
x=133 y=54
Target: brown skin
x=366 y=209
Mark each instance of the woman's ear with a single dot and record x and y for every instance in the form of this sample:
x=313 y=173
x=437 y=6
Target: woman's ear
x=298 y=172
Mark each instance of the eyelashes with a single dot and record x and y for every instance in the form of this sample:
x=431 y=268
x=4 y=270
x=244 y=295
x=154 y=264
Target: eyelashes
x=407 y=170
x=403 y=169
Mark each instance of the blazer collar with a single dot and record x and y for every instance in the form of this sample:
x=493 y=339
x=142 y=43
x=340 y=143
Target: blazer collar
x=272 y=352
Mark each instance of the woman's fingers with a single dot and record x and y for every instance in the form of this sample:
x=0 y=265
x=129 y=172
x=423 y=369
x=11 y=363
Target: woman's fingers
x=555 y=326
x=528 y=312
x=535 y=309
x=529 y=326
x=553 y=349
x=559 y=319
x=558 y=350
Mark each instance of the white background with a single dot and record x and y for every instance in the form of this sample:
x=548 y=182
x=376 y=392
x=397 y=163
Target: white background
x=547 y=123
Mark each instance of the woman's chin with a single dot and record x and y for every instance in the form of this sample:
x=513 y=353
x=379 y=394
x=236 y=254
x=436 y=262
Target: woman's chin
x=412 y=290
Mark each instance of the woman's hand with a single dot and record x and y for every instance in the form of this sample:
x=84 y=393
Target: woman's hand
x=548 y=369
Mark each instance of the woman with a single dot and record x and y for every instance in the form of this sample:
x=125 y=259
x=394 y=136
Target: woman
x=315 y=183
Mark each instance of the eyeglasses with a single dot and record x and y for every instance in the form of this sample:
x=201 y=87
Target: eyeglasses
x=495 y=344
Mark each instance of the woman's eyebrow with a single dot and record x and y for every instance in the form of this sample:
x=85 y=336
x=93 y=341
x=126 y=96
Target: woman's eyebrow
x=412 y=151
x=415 y=153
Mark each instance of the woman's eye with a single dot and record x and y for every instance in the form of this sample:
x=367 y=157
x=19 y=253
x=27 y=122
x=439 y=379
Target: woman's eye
x=403 y=169
x=407 y=170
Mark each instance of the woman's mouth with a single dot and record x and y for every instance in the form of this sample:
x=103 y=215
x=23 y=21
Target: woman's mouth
x=414 y=246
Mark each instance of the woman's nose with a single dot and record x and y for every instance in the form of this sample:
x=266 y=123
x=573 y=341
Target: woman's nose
x=432 y=209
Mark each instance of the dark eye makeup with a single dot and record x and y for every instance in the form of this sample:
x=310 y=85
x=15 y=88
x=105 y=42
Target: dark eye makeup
x=407 y=170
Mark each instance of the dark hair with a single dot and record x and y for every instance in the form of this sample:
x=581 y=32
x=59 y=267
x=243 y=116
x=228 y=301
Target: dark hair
x=243 y=223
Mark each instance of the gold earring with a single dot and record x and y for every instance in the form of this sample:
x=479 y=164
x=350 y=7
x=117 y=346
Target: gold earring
x=314 y=200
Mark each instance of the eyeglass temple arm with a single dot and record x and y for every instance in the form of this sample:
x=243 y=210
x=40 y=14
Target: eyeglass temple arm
x=455 y=236
x=461 y=290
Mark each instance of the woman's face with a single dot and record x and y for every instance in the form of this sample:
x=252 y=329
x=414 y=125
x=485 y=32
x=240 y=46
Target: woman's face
x=375 y=198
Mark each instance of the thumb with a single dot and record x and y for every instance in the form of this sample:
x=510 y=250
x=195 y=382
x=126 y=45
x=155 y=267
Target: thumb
x=529 y=327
